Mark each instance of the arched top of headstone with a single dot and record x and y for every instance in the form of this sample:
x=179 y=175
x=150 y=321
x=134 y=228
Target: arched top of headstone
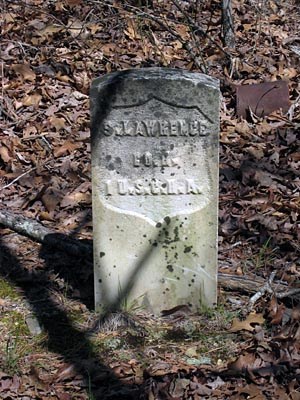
x=173 y=87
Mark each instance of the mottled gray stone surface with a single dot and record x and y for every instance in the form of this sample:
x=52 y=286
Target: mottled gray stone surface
x=155 y=188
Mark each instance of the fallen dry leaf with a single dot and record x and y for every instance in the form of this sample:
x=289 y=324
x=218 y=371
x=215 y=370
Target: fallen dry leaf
x=248 y=323
x=25 y=71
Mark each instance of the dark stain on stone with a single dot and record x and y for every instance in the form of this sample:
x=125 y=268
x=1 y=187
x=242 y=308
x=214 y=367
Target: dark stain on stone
x=177 y=277
x=114 y=266
x=170 y=268
x=193 y=280
x=100 y=280
x=176 y=233
x=108 y=158
x=154 y=244
x=111 y=167
x=187 y=249
x=102 y=254
x=158 y=225
x=167 y=220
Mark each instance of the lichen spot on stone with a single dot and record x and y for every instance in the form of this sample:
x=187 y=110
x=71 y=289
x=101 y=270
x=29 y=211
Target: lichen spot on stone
x=167 y=220
x=187 y=249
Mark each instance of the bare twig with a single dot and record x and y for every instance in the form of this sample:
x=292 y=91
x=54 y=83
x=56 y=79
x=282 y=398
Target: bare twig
x=17 y=178
x=262 y=291
x=228 y=25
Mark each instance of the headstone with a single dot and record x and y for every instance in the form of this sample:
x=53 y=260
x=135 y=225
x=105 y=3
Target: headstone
x=155 y=188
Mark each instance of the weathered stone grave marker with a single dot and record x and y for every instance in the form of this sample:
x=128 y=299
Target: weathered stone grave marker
x=155 y=188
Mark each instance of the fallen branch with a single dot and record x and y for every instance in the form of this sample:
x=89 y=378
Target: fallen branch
x=36 y=231
x=266 y=288
x=257 y=285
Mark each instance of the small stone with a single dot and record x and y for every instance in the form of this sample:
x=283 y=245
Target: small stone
x=33 y=325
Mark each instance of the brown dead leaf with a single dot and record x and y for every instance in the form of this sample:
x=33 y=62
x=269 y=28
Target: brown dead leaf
x=247 y=324
x=161 y=368
x=4 y=154
x=276 y=311
x=57 y=123
x=50 y=30
x=256 y=151
x=67 y=148
x=51 y=198
x=67 y=371
x=63 y=78
x=75 y=27
x=253 y=392
x=75 y=198
x=244 y=362
x=32 y=100
x=25 y=71
x=296 y=313
x=131 y=31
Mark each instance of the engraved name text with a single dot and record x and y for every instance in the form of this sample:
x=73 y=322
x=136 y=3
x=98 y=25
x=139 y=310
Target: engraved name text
x=155 y=128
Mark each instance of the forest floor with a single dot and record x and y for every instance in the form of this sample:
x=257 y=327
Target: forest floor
x=53 y=345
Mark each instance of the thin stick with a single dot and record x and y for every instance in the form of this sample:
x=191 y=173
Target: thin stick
x=18 y=177
x=266 y=288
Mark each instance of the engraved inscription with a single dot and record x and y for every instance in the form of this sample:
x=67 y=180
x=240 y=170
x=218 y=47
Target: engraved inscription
x=154 y=159
x=149 y=160
x=138 y=187
x=156 y=128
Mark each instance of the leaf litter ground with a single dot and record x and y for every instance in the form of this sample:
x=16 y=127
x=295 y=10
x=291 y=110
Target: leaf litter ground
x=53 y=346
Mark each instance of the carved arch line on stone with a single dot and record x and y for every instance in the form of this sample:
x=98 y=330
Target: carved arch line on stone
x=169 y=103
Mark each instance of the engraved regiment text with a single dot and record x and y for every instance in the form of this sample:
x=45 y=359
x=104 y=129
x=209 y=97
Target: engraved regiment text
x=154 y=186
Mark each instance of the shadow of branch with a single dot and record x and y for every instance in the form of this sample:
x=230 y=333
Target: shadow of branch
x=63 y=337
